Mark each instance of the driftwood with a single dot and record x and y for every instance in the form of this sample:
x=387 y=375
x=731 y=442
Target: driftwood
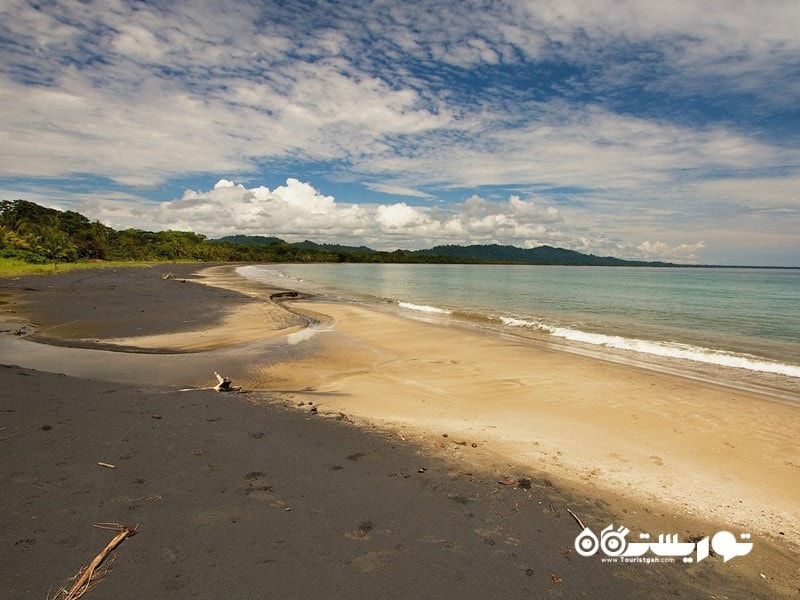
x=88 y=575
x=577 y=520
x=224 y=384
x=107 y=465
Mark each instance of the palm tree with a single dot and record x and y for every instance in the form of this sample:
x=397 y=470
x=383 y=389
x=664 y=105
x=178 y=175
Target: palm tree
x=54 y=244
x=11 y=239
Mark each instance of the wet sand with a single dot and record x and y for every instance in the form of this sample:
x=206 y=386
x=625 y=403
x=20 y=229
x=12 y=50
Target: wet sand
x=287 y=503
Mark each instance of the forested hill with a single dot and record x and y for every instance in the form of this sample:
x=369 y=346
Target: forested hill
x=542 y=255
x=38 y=234
x=485 y=253
x=474 y=254
x=251 y=240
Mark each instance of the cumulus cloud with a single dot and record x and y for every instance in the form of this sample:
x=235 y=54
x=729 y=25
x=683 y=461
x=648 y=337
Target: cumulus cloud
x=662 y=251
x=399 y=217
x=297 y=211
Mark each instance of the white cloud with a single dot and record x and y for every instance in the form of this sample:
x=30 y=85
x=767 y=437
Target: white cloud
x=191 y=87
x=663 y=251
x=183 y=90
x=297 y=211
x=400 y=216
x=761 y=192
x=594 y=150
x=386 y=93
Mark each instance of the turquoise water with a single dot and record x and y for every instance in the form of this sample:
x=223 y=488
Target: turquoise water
x=746 y=318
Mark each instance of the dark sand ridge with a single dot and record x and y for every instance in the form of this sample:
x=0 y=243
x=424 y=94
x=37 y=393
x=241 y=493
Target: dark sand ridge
x=210 y=493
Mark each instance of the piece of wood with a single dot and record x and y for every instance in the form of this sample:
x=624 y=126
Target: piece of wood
x=224 y=384
x=107 y=465
x=577 y=520
x=84 y=579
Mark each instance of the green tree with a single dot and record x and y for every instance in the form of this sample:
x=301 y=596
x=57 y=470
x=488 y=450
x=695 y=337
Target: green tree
x=11 y=239
x=14 y=214
x=54 y=244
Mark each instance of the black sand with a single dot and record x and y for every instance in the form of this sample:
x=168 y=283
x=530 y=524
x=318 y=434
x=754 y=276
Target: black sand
x=118 y=302
x=238 y=496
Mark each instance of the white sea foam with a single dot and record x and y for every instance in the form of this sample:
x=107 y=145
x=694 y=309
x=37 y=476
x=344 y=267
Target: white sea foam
x=656 y=348
x=423 y=308
x=513 y=322
x=665 y=349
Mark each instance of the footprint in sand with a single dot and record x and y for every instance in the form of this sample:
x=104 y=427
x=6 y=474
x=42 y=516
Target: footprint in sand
x=656 y=460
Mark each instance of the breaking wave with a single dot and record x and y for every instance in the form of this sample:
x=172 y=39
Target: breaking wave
x=664 y=349
x=423 y=308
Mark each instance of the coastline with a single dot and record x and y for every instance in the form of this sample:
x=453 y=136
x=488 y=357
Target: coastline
x=601 y=430
x=683 y=347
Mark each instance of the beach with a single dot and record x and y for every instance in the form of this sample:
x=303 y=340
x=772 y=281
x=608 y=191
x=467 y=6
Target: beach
x=373 y=455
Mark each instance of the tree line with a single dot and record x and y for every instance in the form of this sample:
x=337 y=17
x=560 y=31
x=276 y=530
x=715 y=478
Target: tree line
x=39 y=235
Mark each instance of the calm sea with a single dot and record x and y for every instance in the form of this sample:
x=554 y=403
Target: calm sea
x=746 y=318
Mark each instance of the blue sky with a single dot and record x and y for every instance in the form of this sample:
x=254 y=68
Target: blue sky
x=655 y=130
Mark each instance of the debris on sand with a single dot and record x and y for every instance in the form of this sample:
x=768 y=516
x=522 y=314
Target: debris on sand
x=90 y=575
x=224 y=384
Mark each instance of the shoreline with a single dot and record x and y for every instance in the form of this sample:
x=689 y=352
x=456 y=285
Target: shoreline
x=642 y=441
x=358 y=356
x=712 y=493
x=773 y=369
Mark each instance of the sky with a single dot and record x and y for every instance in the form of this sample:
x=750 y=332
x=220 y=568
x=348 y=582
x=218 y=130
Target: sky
x=638 y=129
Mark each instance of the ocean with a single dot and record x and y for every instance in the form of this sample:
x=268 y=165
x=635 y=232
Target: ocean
x=747 y=319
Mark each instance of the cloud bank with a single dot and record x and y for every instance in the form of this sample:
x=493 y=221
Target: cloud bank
x=297 y=211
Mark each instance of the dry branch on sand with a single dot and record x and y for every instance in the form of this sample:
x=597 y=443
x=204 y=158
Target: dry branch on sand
x=223 y=385
x=577 y=519
x=89 y=575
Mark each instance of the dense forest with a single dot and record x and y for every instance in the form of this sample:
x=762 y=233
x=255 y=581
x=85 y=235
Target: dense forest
x=39 y=235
